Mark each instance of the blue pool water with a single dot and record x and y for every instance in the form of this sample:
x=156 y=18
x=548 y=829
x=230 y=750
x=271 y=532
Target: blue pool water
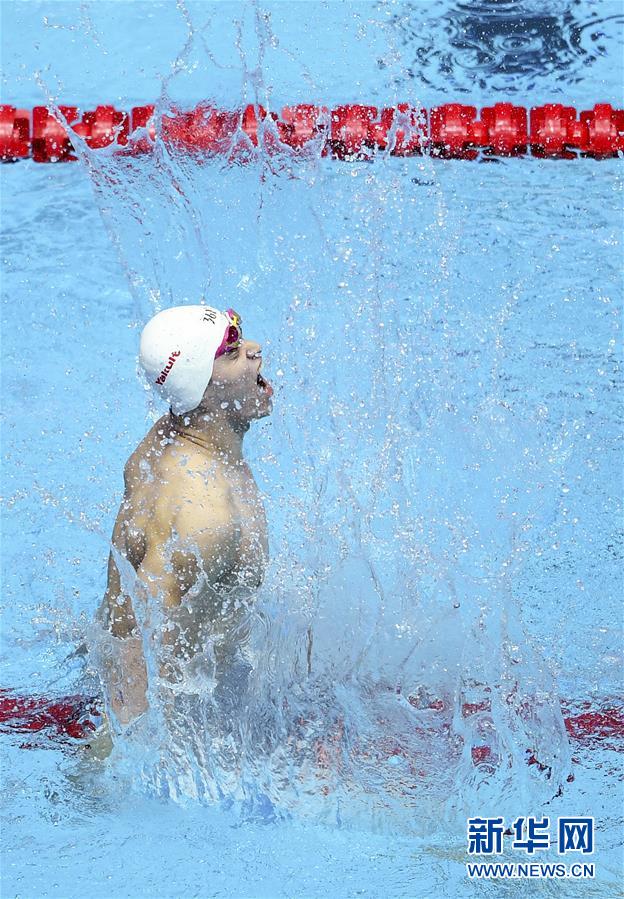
x=441 y=473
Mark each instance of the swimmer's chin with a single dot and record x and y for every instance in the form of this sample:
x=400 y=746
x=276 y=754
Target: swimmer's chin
x=264 y=410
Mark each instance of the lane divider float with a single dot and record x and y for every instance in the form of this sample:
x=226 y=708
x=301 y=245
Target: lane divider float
x=349 y=132
x=64 y=719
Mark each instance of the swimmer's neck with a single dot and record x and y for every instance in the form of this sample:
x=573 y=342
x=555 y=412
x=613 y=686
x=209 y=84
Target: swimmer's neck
x=221 y=438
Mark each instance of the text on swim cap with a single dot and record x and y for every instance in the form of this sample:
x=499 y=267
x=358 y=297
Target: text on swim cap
x=209 y=316
x=162 y=377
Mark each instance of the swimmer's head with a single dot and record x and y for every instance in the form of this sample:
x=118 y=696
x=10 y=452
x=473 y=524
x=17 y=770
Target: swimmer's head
x=196 y=356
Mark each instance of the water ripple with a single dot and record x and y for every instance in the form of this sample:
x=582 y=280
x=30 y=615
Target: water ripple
x=507 y=45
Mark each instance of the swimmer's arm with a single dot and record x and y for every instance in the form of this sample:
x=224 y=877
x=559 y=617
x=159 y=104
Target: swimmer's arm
x=124 y=671
x=164 y=579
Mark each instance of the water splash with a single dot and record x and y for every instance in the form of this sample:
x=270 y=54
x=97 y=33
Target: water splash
x=384 y=676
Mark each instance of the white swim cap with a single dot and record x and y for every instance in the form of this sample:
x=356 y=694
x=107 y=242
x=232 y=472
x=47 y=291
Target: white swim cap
x=177 y=352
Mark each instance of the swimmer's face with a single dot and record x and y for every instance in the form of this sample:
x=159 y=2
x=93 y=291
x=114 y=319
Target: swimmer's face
x=237 y=381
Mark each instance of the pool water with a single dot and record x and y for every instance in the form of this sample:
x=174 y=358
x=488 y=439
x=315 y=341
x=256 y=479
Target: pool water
x=441 y=473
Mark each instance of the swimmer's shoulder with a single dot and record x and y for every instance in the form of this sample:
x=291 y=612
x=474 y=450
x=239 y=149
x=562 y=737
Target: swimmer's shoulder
x=160 y=459
x=169 y=485
x=195 y=495
x=142 y=463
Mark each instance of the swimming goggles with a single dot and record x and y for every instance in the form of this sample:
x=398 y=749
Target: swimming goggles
x=233 y=334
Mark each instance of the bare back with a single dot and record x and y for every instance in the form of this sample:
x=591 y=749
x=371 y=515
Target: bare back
x=194 y=530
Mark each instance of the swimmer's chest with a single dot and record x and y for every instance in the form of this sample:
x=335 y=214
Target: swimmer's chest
x=250 y=527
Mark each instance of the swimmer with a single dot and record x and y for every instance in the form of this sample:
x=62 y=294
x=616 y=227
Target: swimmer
x=191 y=523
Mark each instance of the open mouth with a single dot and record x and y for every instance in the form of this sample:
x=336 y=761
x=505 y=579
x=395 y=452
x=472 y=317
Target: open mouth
x=264 y=386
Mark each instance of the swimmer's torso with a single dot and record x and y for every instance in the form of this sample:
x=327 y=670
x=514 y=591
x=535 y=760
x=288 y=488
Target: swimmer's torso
x=178 y=499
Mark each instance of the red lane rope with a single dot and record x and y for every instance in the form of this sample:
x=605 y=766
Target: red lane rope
x=65 y=716
x=73 y=717
x=348 y=132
